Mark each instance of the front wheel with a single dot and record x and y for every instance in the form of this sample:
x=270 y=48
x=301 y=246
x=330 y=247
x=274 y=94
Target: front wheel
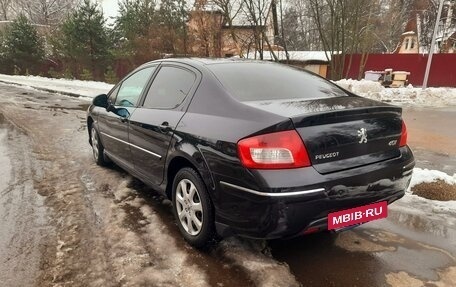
x=192 y=208
x=97 y=148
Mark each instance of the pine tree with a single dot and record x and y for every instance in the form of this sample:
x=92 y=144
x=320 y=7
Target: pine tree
x=83 y=40
x=135 y=30
x=136 y=18
x=86 y=75
x=3 y=59
x=110 y=76
x=145 y=31
x=22 y=49
x=173 y=17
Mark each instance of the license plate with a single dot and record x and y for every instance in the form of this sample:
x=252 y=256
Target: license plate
x=357 y=215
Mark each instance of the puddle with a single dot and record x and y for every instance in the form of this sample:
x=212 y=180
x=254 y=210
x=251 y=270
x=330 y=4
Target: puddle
x=412 y=262
x=23 y=225
x=5 y=166
x=80 y=107
x=316 y=260
x=418 y=245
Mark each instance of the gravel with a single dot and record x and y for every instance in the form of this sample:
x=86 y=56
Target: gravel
x=437 y=190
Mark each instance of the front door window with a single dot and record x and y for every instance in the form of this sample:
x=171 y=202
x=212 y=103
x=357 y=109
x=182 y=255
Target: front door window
x=131 y=89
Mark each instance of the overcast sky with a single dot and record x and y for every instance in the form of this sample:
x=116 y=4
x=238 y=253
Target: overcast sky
x=110 y=8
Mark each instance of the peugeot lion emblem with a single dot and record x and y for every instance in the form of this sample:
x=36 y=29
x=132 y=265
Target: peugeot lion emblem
x=362 y=134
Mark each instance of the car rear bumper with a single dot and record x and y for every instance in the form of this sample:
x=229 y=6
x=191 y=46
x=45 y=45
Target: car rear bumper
x=293 y=201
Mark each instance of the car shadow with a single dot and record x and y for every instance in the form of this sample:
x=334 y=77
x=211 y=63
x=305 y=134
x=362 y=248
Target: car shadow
x=316 y=260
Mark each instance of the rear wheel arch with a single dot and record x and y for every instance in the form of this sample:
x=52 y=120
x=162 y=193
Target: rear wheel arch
x=179 y=162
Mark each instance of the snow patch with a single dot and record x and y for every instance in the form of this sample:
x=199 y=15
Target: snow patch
x=360 y=87
x=425 y=175
x=262 y=269
x=416 y=205
x=123 y=192
x=407 y=96
x=65 y=86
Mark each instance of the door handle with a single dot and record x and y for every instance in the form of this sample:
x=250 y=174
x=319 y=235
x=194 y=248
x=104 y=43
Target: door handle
x=164 y=127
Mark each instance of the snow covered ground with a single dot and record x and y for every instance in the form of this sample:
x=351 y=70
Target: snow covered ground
x=425 y=175
x=63 y=86
x=407 y=96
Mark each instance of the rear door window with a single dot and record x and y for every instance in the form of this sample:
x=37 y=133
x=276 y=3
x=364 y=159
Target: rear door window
x=169 y=88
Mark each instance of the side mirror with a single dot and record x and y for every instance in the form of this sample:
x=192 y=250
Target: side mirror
x=122 y=112
x=101 y=101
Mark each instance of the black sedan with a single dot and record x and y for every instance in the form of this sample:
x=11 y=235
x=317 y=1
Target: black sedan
x=257 y=149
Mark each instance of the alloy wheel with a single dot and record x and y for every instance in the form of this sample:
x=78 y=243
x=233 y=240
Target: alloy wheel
x=95 y=148
x=189 y=208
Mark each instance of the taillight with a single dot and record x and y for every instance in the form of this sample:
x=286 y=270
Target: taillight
x=277 y=150
x=403 y=139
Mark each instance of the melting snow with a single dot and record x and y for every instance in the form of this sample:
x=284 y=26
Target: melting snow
x=262 y=269
x=415 y=203
x=407 y=96
x=425 y=175
x=64 y=86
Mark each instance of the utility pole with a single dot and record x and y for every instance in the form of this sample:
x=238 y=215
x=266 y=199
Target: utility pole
x=431 y=52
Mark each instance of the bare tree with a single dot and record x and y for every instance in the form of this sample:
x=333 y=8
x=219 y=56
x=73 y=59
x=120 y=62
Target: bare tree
x=386 y=23
x=330 y=17
x=282 y=29
x=345 y=27
x=390 y=23
x=230 y=10
x=5 y=9
x=205 y=29
x=258 y=14
x=300 y=30
x=45 y=12
x=446 y=27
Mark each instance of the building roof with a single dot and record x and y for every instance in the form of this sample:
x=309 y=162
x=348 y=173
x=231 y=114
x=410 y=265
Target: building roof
x=302 y=56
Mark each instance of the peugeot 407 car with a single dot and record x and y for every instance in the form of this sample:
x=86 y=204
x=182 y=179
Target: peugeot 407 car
x=256 y=149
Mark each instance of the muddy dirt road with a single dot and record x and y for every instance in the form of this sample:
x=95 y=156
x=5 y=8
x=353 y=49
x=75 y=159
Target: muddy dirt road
x=432 y=134
x=67 y=222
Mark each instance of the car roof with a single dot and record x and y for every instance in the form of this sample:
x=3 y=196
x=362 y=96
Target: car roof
x=208 y=61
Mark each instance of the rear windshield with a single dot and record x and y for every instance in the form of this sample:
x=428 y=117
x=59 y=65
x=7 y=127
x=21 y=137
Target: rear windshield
x=252 y=81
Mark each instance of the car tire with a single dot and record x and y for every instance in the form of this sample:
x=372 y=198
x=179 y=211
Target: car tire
x=192 y=208
x=97 y=148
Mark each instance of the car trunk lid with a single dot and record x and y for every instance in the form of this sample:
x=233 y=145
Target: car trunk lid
x=344 y=132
